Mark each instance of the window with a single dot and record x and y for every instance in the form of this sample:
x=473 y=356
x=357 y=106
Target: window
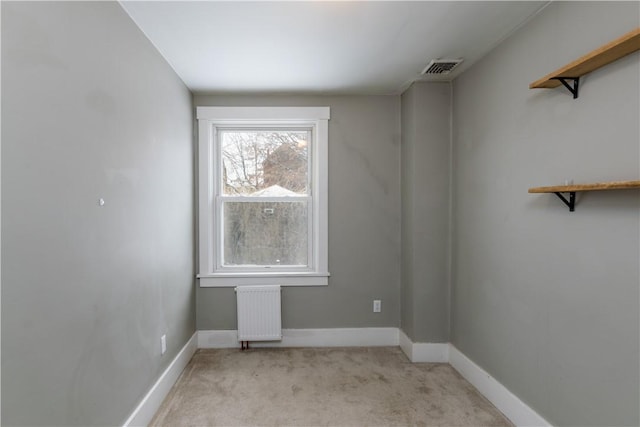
x=263 y=195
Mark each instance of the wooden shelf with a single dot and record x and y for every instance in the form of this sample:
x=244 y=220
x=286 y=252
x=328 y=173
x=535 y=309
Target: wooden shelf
x=613 y=185
x=573 y=189
x=604 y=55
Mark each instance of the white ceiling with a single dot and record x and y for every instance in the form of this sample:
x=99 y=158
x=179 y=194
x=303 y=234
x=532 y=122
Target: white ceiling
x=321 y=46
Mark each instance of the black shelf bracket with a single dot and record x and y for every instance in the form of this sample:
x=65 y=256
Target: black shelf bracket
x=573 y=89
x=571 y=202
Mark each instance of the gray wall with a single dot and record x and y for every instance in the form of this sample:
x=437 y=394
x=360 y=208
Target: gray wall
x=425 y=171
x=90 y=110
x=364 y=219
x=547 y=300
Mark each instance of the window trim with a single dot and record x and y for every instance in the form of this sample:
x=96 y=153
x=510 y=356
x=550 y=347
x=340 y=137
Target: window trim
x=210 y=118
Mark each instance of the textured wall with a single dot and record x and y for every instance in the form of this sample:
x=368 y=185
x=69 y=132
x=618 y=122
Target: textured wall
x=90 y=110
x=547 y=300
x=426 y=171
x=364 y=219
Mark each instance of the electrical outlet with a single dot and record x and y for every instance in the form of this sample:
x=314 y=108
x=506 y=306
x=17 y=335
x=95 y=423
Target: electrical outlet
x=163 y=344
x=377 y=306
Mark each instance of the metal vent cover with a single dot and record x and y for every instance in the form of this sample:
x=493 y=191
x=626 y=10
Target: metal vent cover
x=441 y=66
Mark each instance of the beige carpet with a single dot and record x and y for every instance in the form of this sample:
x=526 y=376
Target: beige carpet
x=364 y=386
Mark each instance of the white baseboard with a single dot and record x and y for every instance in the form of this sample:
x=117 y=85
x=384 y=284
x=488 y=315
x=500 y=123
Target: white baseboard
x=144 y=412
x=508 y=403
x=406 y=345
x=424 y=352
x=333 y=337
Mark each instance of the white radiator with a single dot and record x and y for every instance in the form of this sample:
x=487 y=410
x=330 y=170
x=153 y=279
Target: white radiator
x=259 y=317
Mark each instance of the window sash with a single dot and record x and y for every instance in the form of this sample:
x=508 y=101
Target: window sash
x=218 y=129
x=220 y=266
x=220 y=197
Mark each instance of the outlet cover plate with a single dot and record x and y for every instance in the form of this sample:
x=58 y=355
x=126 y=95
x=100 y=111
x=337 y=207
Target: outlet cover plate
x=377 y=306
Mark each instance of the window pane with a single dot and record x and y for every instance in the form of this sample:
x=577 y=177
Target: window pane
x=265 y=233
x=268 y=163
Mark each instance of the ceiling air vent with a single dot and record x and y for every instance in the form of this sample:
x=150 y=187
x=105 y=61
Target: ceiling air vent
x=441 y=66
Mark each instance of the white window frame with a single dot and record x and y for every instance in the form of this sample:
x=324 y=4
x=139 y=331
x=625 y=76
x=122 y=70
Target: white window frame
x=209 y=235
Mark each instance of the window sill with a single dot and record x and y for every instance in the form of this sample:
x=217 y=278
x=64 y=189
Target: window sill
x=231 y=280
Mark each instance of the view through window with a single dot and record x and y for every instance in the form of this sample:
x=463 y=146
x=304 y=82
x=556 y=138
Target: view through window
x=265 y=196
